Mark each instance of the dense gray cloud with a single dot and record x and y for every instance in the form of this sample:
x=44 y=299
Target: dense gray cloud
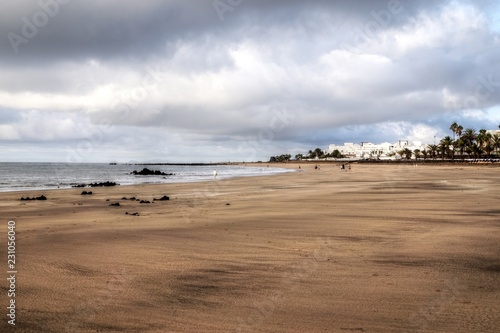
x=219 y=80
x=62 y=29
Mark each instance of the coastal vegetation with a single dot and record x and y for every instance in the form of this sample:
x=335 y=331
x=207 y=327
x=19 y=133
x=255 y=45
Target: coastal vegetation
x=464 y=143
x=317 y=153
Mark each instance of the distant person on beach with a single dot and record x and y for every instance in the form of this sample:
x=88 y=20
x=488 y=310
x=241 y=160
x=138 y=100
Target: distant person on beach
x=215 y=173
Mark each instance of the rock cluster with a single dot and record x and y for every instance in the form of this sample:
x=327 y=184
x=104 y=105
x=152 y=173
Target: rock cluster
x=42 y=197
x=148 y=172
x=101 y=184
x=164 y=198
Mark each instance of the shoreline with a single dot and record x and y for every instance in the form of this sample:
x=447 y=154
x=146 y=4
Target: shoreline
x=294 y=165
x=220 y=177
x=280 y=165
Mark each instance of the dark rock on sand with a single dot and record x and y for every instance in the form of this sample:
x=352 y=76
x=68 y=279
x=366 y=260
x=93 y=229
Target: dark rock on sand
x=42 y=197
x=103 y=184
x=164 y=198
x=133 y=214
x=116 y=204
x=148 y=172
x=87 y=193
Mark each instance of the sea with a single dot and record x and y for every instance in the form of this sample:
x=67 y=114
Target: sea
x=46 y=176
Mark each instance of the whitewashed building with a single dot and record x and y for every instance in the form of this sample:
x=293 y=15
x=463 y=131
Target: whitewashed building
x=384 y=150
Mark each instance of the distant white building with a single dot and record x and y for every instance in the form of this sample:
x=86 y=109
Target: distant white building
x=493 y=132
x=384 y=150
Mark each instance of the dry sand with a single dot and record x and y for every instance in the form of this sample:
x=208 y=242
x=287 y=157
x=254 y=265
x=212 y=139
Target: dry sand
x=382 y=248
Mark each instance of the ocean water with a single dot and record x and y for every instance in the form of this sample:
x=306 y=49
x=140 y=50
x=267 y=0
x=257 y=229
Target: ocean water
x=38 y=176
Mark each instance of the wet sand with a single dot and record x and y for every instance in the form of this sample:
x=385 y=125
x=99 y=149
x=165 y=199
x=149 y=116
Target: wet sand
x=380 y=248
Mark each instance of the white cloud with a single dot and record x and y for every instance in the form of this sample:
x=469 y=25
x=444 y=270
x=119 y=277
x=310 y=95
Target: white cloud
x=453 y=26
x=9 y=133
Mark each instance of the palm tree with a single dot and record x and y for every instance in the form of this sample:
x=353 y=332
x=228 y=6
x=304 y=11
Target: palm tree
x=454 y=128
x=417 y=153
x=441 y=150
x=489 y=140
x=476 y=150
x=406 y=153
x=489 y=148
x=460 y=144
x=425 y=152
x=444 y=146
x=336 y=154
x=469 y=138
x=469 y=135
x=483 y=140
x=481 y=137
x=457 y=133
x=433 y=149
x=496 y=142
x=319 y=152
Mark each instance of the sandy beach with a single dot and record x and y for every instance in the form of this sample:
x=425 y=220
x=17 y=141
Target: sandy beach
x=379 y=248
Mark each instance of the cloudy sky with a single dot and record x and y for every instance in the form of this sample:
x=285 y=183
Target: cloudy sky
x=204 y=80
